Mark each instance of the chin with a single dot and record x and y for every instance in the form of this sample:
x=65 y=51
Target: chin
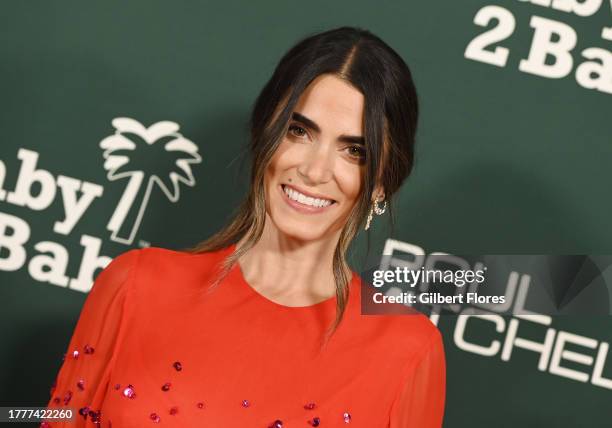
x=301 y=231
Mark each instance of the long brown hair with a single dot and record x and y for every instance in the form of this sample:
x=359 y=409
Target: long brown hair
x=390 y=122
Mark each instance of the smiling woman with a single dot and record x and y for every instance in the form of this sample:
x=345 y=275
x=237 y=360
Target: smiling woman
x=260 y=325
x=316 y=161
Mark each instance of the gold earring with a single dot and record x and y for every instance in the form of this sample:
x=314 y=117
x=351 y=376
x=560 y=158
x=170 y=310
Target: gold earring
x=375 y=209
x=378 y=210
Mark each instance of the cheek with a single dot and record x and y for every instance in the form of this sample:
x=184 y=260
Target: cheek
x=280 y=161
x=349 y=180
x=286 y=156
x=287 y=153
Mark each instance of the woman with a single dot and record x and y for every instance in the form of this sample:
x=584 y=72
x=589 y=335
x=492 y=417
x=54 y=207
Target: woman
x=260 y=325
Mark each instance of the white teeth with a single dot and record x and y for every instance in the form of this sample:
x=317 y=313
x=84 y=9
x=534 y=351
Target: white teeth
x=306 y=200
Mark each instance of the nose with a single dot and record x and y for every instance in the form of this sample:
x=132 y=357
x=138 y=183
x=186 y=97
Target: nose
x=317 y=166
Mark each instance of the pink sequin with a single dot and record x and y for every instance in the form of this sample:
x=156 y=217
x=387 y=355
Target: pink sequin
x=56 y=400
x=276 y=424
x=84 y=411
x=173 y=410
x=314 y=422
x=347 y=417
x=245 y=403
x=95 y=416
x=200 y=405
x=67 y=397
x=178 y=366
x=129 y=392
x=155 y=417
x=88 y=349
x=81 y=384
x=45 y=425
x=117 y=386
x=166 y=386
x=75 y=354
x=309 y=406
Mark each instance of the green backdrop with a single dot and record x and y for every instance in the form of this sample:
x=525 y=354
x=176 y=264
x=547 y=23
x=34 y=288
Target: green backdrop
x=514 y=157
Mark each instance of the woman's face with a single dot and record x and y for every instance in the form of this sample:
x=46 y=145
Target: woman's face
x=314 y=178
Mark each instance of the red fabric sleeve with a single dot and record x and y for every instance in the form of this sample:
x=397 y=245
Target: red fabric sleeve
x=82 y=381
x=421 y=396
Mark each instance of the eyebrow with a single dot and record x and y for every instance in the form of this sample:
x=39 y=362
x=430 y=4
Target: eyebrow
x=352 y=139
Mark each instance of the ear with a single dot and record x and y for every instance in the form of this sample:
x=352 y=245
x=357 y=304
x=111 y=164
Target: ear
x=379 y=193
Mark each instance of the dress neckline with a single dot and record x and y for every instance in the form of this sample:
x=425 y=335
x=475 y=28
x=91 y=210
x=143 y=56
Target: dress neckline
x=236 y=272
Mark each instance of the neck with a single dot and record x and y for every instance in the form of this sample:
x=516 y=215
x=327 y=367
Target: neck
x=288 y=270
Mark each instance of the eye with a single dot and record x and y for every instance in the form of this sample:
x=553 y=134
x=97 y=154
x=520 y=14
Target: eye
x=357 y=152
x=297 y=131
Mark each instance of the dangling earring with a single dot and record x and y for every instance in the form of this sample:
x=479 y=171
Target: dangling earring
x=378 y=210
x=375 y=209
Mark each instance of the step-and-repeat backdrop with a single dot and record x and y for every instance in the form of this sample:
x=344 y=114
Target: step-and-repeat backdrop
x=514 y=157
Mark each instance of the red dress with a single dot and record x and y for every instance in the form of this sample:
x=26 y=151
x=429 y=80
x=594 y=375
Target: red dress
x=152 y=348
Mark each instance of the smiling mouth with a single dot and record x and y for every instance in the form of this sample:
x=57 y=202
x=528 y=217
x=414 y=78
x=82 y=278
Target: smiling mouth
x=306 y=200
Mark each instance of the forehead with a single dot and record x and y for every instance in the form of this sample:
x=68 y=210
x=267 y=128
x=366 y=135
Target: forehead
x=334 y=104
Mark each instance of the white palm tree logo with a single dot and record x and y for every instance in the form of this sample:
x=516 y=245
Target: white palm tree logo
x=128 y=153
